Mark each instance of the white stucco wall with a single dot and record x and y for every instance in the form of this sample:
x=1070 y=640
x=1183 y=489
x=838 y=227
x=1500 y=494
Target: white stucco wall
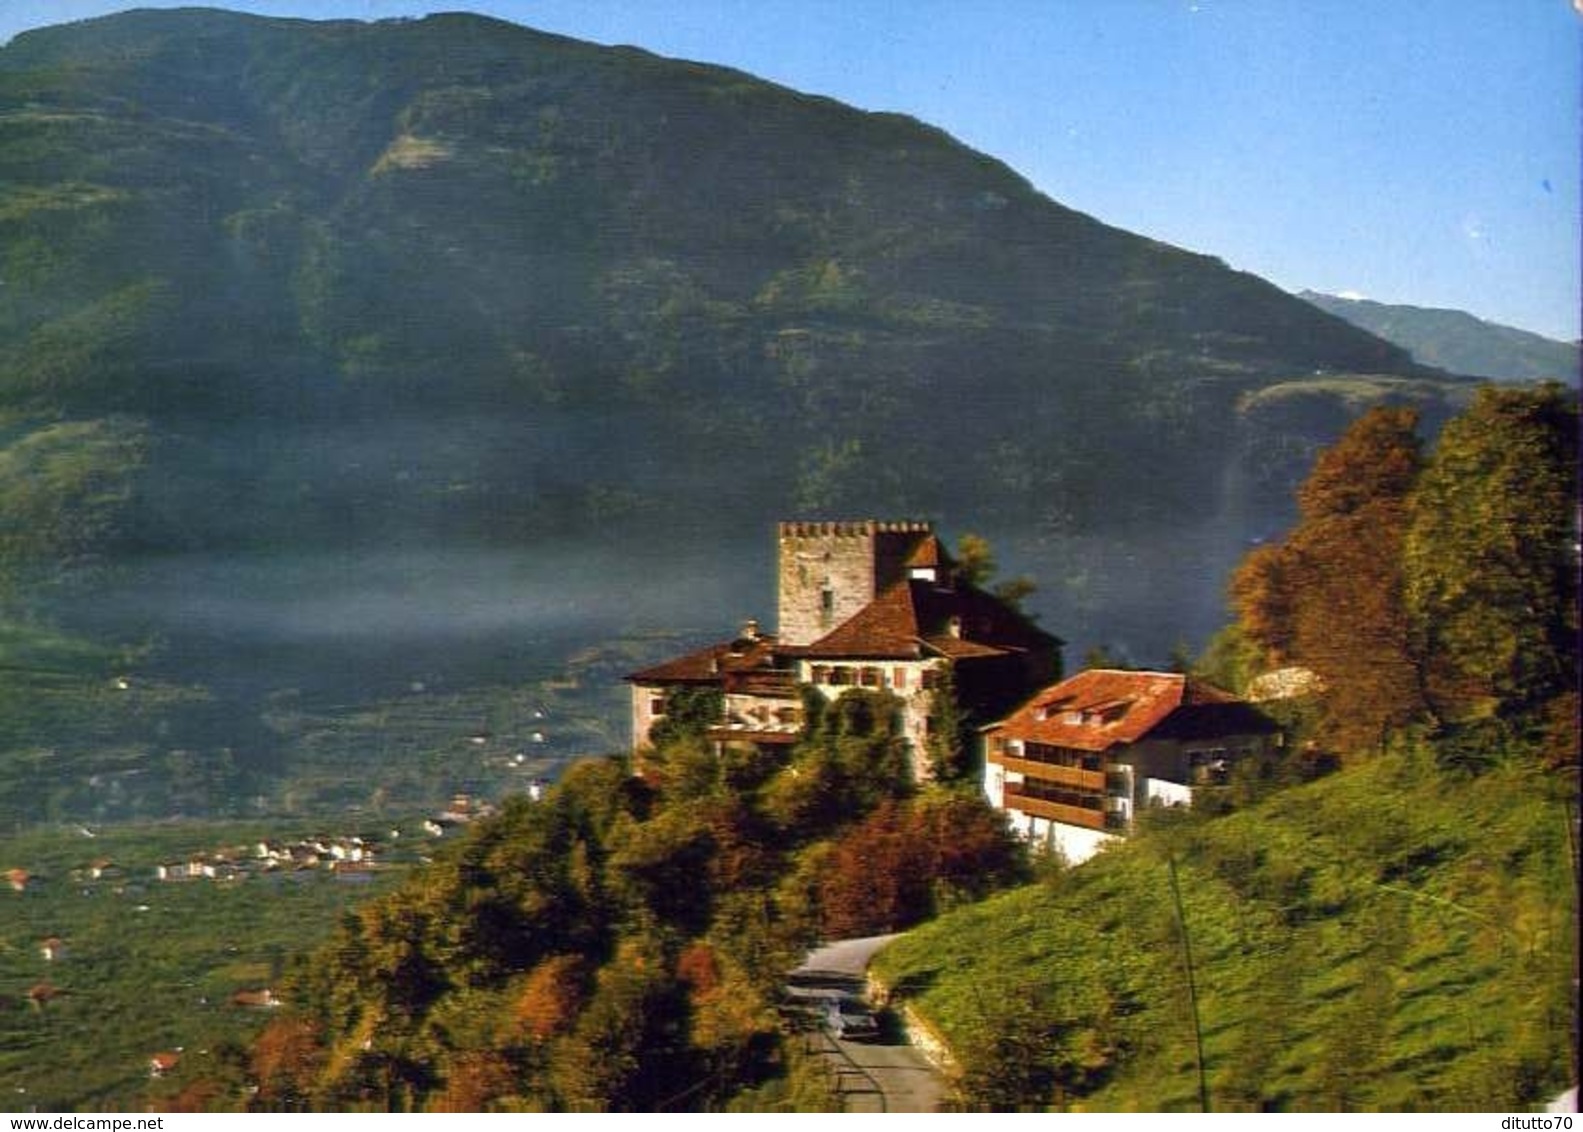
x=1160 y=791
x=1075 y=843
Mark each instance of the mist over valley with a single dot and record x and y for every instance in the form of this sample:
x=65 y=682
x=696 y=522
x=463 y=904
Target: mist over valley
x=339 y=360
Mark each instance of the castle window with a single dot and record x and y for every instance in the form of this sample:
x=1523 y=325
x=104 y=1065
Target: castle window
x=898 y=677
x=870 y=677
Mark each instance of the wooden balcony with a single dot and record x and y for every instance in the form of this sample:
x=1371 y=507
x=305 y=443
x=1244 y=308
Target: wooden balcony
x=1054 y=811
x=1075 y=777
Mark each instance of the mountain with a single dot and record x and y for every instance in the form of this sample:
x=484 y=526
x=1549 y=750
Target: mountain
x=1457 y=341
x=350 y=358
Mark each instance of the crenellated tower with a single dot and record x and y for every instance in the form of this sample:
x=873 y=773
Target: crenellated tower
x=830 y=571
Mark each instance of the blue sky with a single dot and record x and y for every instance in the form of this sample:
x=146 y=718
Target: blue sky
x=1417 y=151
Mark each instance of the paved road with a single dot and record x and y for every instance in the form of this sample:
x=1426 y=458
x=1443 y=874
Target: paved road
x=887 y=1075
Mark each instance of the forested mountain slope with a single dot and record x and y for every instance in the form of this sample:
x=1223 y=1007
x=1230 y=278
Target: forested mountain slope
x=371 y=355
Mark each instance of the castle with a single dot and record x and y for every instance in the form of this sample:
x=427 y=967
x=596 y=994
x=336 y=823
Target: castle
x=866 y=604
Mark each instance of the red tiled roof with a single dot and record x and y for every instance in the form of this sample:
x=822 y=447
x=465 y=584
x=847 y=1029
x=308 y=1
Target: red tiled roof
x=955 y=648
x=709 y=665
x=1105 y=707
x=918 y=616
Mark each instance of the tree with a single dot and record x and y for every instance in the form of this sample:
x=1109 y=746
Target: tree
x=972 y=850
x=662 y=867
x=878 y=878
x=907 y=861
x=476 y=1081
x=851 y=756
x=628 y=1051
x=1261 y=593
x=1490 y=557
x=1330 y=596
x=1230 y=660
x=552 y=996
x=286 y=1060
x=976 y=565
x=975 y=560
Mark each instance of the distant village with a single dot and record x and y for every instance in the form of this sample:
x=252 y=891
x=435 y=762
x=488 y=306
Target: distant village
x=346 y=856
x=342 y=857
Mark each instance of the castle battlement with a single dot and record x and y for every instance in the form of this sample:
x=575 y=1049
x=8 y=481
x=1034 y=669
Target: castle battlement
x=862 y=528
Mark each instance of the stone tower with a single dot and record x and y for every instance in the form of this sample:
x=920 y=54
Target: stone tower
x=830 y=571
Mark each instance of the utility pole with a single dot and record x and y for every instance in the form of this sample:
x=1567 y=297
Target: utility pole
x=1192 y=989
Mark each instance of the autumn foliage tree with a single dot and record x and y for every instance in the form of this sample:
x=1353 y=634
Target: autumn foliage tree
x=909 y=860
x=1440 y=591
x=1330 y=597
x=622 y=943
x=287 y=1057
x=551 y=998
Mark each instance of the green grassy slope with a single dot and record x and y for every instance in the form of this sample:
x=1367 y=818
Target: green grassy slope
x=1385 y=939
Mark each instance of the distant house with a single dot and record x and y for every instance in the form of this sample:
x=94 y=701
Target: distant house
x=262 y=999
x=860 y=605
x=162 y=1063
x=52 y=949
x=18 y=879
x=1074 y=764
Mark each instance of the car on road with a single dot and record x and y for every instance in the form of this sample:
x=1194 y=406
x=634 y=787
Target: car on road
x=849 y=1018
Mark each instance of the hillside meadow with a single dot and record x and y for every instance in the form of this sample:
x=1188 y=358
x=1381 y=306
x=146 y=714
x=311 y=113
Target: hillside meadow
x=1393 y=937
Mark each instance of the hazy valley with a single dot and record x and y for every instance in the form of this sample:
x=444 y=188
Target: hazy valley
x=374 y=397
